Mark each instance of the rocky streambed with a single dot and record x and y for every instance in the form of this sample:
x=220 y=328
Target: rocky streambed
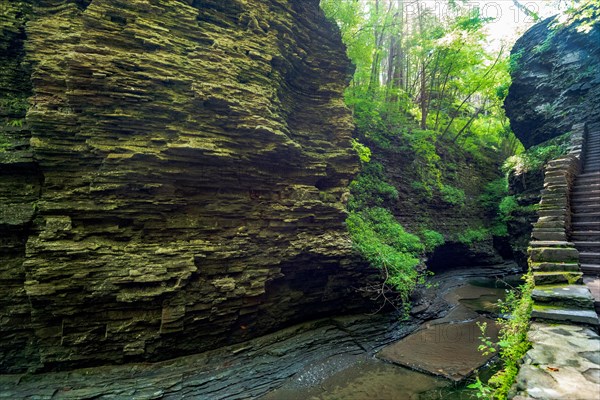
x=326 y=358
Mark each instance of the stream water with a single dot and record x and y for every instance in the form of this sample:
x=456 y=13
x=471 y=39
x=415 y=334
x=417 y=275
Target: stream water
x=355 y=357
x=442 y=346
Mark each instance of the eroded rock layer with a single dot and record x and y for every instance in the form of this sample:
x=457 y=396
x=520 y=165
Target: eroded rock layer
x=555 y=77
x=195 y=156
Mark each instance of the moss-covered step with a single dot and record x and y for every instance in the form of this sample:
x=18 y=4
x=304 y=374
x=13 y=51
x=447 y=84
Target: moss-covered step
x=545 y=235
x=557 y=277
x=554 y=266
x=575 y=296
x=552 y=254
x=551 y=243
x=564 y=314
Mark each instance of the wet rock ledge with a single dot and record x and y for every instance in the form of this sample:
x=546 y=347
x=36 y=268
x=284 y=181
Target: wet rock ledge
x=185 y=165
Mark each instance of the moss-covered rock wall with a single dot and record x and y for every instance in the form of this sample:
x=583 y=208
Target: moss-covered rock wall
x=185 y=181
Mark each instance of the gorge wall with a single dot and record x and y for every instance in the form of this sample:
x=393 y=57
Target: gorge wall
x=178 y=179
x=555 y=77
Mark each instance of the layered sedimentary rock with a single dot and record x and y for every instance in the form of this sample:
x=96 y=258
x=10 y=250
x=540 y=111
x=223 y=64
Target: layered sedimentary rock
x=555 y=77
x=191 y=161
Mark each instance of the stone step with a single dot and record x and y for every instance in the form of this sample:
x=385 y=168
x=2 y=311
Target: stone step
x=589 y=178
x=551 y=243
x=591 y=175
x=590 y=168
x=552 y=254
x=541 y=235
x=572 y=296
x=553 y=194
x=590 y=269
x=589 y=258
x=586 y=225
x=557 y=277
x=587 y=246
x=553 y=213
x=593 y=216
x=585 y=208
x=554 y=267
x=593 y=283
x=585 y=235
x=564 y=314
x=549 y=225
x=587 y=200
x=593 y=190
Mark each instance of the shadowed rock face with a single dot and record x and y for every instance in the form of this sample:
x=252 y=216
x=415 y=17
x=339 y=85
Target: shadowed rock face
x=555 y=80
x=190 y=159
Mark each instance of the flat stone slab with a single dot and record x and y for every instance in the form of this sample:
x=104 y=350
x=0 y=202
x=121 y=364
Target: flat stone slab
x=575 y=295
x=451 y=345
x=553 y=254
x=565 y=314
x=593 y=284
x=564 y=363
x=550 y=243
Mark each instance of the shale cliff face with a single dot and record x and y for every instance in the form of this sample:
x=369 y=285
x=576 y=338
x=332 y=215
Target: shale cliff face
x=178 y=181
x=556 y=78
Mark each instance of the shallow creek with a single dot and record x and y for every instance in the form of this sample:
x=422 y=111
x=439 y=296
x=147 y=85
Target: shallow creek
x=445 y=349
x=331 y=358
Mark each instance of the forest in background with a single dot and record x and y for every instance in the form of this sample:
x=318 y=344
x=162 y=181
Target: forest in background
x=428 y=89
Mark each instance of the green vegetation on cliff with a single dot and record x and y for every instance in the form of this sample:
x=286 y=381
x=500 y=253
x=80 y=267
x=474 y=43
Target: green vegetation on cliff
x=431 y=133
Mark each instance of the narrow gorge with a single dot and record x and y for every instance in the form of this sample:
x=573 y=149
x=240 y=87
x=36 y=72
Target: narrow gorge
x=222 y=199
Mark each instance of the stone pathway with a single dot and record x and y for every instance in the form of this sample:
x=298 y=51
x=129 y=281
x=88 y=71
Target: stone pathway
x=586 y=213
x=564 y=364
x=560 y=294
x=564 y=361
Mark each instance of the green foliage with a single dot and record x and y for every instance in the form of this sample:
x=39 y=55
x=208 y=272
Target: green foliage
x=414 y=67
x=431 y=239
x=473 y=235
x=514 y=61
x=586 y=13
x=507 y=206
x=426 y=160
x=384 y=243
x=493 y=194
x=545 y=45
x=370 y=189
x=364 y=153
x=452 y=195
x=537 y=156
x=512 y=344
x=13 y=105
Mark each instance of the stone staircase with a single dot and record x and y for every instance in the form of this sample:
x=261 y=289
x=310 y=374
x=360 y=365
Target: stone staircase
x=560 y=294
x=586 y=213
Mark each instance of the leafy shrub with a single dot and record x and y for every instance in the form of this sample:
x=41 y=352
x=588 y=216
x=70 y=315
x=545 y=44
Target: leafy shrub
x=474 y=235
x=370 y=189
x=423 y=191
x=512 y=344
x=432 y=239
x=493 y=194
x=389 y=229
x=452 y=195
x=506 y=207
x=364 y=153
x=426 y=160
x=537 y=156
x=384 y=243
